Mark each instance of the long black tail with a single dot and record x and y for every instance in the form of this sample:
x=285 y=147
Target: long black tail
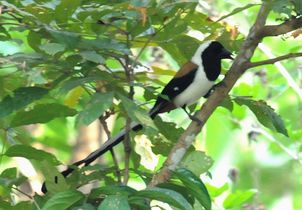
x=108 y=145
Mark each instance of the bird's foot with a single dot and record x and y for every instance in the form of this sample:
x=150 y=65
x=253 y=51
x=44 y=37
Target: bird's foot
x=198 y=121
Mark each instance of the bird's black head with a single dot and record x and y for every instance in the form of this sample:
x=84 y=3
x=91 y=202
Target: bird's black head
x=217 y=51
x=211 y=57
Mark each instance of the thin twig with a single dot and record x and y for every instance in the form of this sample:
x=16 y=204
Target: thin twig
x=129 y=76
x=284 y=148
x=283 y=71
x=274 y=60
x=114 y=158
x=7 y=23
x=150 y=39
x=29 y=196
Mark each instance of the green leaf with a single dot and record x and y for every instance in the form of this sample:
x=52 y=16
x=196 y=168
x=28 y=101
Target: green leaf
x=238 y=198
x=237 y=10
x=217 y=191
x=5 y=205
x=264 y=113
x=98 y=104
x=74 y=82
x=180 y=189
x=34 y=40
x=298 y=6
x=65 y=9
x=69 y=39
x=29 y=152
x=52 y=48
x=197 y=162
x=85 y=206
x=138 y=203
x=111 y=190
x=63 y=200
x=7 y=69
x=111 y=202
x=166 y=127
x=54 y=181
x=135 y=113
x=92 y=56
x=9 y=177
x=165 y=195
x=227 y=103
x=195 y=186
x=20 y=98
x=42 y=113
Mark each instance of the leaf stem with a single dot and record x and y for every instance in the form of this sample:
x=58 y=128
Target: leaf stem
x=29 y=196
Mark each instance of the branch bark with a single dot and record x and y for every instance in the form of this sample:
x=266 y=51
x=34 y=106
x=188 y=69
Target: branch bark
x=274 y=60
x=283 y=28
x=239 y=66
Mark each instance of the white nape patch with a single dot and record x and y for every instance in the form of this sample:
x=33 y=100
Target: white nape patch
x=197 y=56
x=176 y=158
x=176 y=88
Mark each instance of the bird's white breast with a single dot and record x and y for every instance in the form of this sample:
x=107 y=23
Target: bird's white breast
x=197 y=89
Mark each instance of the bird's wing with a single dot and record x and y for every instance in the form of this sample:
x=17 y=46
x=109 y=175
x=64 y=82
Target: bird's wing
x=183 y=78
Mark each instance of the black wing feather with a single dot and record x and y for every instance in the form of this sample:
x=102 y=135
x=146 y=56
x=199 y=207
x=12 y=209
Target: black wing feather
x=171 y=90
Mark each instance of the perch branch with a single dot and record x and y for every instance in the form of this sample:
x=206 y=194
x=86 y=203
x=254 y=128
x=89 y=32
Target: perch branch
x=283 y=28
x=257 y=32
x=237 y=69
x=274 y=60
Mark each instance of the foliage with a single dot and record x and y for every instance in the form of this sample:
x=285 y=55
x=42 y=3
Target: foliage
x=65 y=64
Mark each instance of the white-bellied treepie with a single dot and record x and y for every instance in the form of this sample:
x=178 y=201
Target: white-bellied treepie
x=193 y=81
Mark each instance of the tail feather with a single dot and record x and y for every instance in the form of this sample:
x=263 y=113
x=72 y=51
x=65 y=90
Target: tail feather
x=105 y=147
x=97 y=153
x=158 y=108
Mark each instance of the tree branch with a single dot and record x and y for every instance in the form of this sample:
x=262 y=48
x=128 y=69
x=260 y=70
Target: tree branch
x=257 y=32
x=237 y=69
x=129 y=72
x=283 y=28
x=274 y=60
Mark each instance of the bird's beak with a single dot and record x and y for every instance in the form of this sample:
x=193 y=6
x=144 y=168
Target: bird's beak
x=225 y=54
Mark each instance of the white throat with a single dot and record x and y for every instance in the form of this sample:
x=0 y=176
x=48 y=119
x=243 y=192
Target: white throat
x=197 y=56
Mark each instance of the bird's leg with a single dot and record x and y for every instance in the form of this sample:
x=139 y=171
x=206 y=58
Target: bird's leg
x=210 y=92
x=192 y=117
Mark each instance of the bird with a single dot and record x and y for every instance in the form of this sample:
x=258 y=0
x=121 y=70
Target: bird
x=194 y=80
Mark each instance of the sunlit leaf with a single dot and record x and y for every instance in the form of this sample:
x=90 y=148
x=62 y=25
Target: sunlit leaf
x=183 y=190
x=217 y=191
x=135 y=113
x=238 y=198
x=197 y=162
x=20 y=98
x=115 y=202
x=63 y=200
x=195 y=186
x=29 y=152
x=237 y=10
x=9 y=178
x=52 y=48
x=112 y=190
x=165 y=195
x=65 y=9
x=92 y=56
x=54 y=181
x=42 y=113
x=98 y=104
x=264 y=113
